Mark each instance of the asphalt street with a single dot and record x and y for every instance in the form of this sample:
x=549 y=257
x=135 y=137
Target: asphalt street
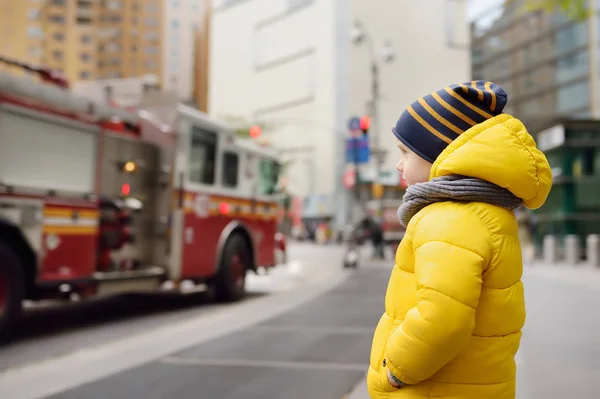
x=318 y=350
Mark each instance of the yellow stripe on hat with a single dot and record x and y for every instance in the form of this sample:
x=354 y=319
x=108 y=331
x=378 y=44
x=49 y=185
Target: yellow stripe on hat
x=489 y=89
x=428 y=126
x=468 y=104
x=479 y=92
x=439 y=118
x=450 y=108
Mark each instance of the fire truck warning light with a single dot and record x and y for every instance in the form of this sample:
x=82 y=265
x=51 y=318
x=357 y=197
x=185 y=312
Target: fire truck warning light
x=130 y=167
x=125 y=189
x=224 y=208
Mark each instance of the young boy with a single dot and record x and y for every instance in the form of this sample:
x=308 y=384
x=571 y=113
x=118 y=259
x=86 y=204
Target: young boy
x=454 y=306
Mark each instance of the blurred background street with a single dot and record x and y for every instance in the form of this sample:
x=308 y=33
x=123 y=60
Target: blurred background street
x=183 y=184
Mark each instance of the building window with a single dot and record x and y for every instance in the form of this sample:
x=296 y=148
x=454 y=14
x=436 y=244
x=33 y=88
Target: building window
x=57 y=54
x=174 y=24
x=151 y=50
x=115 y=18
x=58 y=2
x=230 y=169
x=33 y=14
x=85 y=57
x=113 y=47
x=134 y=20
x=150 y=65
x=35 y=51
x=133 y=48
x=84 y=75
x=114 y=5
x=151 y=36
x=59 y=19
x=203 y=156
x=58 y=36
x=151 y=8
x=85 y=39
x=151 y=22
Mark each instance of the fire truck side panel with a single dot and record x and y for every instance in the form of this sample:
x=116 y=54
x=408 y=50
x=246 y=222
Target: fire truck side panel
x=60 y=163
x=69 y=242
x=63 y=158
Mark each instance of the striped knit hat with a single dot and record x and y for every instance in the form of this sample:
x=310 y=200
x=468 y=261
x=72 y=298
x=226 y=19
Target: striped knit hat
x=429 y=124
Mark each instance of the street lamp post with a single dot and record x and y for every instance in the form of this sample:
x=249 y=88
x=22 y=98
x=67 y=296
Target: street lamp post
x=387 y=55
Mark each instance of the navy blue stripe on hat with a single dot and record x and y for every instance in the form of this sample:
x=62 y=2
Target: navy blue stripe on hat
x=435 y=120
x=444 y=113
x=459 y=109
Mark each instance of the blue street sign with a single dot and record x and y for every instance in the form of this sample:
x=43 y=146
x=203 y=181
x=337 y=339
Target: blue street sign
x=357 y=150
x=354 y=123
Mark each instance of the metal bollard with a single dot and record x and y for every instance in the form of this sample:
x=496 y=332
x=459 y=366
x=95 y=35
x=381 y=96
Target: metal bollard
x=593 y=250
x=572 y=249
x=550 y=250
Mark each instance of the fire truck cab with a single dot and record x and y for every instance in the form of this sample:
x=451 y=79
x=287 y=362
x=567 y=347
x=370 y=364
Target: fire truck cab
x=96 y=200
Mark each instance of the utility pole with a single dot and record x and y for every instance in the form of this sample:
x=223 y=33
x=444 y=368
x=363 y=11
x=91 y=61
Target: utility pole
x=358 y=35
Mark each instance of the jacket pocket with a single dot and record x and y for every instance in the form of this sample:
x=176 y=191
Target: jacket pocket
x=384 y=384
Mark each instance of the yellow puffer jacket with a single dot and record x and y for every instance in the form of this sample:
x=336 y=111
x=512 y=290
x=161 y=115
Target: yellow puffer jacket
x=454 y=306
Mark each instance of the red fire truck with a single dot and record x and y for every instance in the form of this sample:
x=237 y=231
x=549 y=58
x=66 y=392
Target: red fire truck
x=97 y=200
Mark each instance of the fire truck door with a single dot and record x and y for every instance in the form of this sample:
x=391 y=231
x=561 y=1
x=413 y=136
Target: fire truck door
x=131 y=172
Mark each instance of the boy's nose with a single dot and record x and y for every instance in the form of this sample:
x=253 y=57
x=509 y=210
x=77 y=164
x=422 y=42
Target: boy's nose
x=400 y=166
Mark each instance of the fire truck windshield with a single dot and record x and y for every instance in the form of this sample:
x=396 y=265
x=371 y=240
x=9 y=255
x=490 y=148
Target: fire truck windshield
x=269 y=176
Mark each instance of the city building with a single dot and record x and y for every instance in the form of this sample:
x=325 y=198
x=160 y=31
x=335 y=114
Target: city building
x=541 y=59
x=184 y=20
x=291 y=64
x=85 y=39
x=548 y=65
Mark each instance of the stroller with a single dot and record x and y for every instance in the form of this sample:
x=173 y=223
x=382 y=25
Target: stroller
x=352 y=254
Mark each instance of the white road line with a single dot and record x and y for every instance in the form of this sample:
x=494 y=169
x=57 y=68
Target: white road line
x=328 y=330
x=522 y=390
x=52 y=376
x=265 y=364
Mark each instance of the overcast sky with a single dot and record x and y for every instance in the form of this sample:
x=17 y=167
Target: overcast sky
x=476 y=7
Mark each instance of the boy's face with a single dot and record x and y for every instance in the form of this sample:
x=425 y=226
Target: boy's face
x=414 y=169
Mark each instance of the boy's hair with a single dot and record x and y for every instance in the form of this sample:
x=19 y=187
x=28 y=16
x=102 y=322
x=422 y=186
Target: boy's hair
x=432 y=122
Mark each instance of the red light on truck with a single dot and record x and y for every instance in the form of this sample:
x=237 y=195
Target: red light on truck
x=224 y=208
x=125 y=189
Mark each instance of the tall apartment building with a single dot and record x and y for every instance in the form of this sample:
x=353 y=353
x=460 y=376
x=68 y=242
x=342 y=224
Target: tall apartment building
x=291 y=64
x=184 y=20
x=545 y=62
x=85 y=39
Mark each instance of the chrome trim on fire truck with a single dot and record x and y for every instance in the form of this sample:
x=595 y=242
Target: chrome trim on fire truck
x=226 y=233
x=154 y=271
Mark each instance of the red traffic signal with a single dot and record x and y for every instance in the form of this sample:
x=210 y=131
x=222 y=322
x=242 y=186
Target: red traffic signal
x=365 y=123
x=255 y=131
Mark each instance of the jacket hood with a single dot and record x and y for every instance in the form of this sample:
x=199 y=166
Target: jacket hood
x=501 y=151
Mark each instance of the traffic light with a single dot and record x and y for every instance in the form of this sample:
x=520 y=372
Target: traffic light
x=255 y=131
x=365 y=124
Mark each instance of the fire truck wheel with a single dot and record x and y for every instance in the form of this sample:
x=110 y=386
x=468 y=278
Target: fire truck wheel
x=12 y=291
x=230 y=282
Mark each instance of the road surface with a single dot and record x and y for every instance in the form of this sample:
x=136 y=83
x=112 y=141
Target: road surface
x=306 y=336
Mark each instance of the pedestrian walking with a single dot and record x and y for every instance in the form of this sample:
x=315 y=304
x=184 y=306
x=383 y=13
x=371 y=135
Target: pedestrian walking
x=454 y=307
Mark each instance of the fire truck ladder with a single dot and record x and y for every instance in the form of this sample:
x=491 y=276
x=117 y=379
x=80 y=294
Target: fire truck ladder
x=57 y=93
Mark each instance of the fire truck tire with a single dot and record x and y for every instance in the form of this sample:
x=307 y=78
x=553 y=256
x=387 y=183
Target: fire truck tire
x=230 y=281
x=12 y=291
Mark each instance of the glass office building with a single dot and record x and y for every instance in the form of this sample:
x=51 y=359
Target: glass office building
x=550 y=68
x=542 y=60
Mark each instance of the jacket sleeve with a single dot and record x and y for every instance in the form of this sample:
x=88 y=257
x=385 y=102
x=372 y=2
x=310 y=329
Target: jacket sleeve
x=450 y=256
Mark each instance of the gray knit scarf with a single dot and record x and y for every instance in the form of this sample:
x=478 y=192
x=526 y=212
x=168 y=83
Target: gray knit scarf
x=453 y=188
